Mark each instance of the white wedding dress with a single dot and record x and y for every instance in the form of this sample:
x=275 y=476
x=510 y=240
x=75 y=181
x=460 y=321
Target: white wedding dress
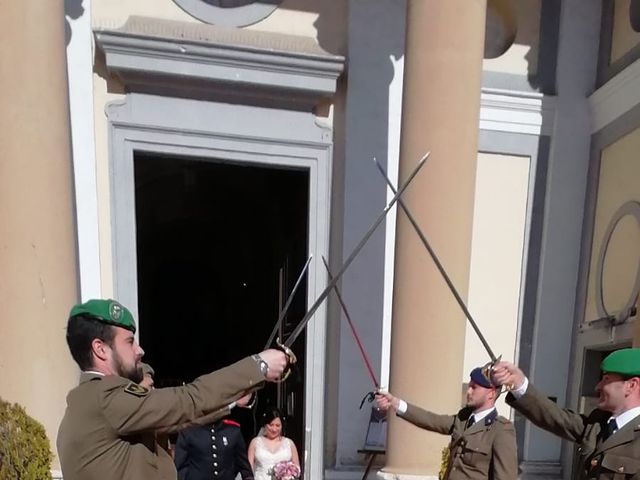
x=265 y=459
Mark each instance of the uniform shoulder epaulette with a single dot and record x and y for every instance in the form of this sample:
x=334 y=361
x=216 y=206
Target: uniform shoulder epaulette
x=464 y=413
x=504 y=420
x=598 y=416
x=226 y=421
x=138 y=390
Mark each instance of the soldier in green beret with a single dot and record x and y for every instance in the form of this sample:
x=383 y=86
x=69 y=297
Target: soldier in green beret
x=608 y=437
x=108 y=429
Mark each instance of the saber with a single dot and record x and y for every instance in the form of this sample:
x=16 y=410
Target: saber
x=356 y=337
x=370 y=395
x=303 y=323
x=441 y=269
x=287 y=304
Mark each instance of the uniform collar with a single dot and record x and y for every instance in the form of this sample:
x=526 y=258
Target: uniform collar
x=489 y=415
x=89 y=375
x=626 y=417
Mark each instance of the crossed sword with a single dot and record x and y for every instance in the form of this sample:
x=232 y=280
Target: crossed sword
x=334 y=279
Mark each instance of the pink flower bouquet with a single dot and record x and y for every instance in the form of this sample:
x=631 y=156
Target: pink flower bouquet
x=286 y=471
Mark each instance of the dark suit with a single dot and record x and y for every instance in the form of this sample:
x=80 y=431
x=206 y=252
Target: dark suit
x=213 y=451
x=617 y=457
x=485 y=450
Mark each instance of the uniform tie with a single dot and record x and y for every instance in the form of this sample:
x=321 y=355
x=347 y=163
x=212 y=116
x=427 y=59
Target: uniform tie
x=471 y=421
x=610 y=429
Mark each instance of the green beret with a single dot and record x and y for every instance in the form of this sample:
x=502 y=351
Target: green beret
x=624 y=362
x=107 y=311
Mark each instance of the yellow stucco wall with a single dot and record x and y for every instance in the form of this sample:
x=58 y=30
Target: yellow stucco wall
x=522 y=56
x=324 y=21
x=499 y=219
x=623 y=37
x=618 y=183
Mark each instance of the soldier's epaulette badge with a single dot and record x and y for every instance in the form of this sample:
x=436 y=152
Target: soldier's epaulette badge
x=137 y=390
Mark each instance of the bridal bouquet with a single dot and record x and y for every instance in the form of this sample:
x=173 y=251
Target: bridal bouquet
x=286 y=471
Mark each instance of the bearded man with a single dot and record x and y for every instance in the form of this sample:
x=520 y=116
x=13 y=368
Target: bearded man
x=108 y=429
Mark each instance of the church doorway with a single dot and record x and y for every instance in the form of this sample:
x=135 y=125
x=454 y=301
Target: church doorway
x=219 y=246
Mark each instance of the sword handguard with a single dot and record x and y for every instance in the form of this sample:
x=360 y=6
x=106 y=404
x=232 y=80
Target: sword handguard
x=369 y=397
x=292 y=360
x=487 y=372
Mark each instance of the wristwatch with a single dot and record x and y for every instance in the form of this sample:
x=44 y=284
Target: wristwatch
x=264 y=367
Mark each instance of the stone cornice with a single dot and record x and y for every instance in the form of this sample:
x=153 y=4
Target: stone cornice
x=517 y=112
x=148 y=53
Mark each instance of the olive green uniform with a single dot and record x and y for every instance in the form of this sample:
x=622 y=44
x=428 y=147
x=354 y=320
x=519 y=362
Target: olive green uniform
x=108 y=428
x=617 y=457
x=485 y=450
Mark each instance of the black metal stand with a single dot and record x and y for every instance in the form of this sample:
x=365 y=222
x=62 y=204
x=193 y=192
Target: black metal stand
x=371 y=454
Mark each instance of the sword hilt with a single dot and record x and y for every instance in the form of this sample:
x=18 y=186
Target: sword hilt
x=291 y=360
x=369 y=397
x=487 y=372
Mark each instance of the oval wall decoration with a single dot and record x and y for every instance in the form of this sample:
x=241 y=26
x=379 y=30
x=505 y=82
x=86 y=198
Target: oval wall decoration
x=229 y=13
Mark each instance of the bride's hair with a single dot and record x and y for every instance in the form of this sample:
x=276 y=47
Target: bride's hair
x=270 y=415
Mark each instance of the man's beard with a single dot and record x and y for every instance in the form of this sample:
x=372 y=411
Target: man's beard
x=133 y=373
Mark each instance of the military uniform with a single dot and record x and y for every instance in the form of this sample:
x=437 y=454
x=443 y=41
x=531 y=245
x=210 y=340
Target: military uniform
x=108 y=429
x=213 y=451
x=602 y=455
x=486 y=449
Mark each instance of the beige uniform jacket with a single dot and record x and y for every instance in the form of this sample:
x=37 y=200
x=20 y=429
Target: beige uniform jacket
x=617 y=457
x=485 y=450
x=108 y=430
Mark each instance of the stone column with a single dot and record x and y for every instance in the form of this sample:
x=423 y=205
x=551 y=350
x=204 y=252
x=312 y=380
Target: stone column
x=441 y=102
x=38 y=271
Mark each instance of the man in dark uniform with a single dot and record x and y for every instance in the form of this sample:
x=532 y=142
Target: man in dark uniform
x=608 y=438
x=483 y=444
x=213 y=451
x=108 y=430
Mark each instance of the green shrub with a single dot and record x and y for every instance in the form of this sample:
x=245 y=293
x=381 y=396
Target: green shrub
x=25 y=453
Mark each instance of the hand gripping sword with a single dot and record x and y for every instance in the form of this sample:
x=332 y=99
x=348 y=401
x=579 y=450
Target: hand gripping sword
x=286 y=346
x=486 y=369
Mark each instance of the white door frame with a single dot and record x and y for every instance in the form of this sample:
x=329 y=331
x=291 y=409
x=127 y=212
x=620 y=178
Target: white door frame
x=244 y=135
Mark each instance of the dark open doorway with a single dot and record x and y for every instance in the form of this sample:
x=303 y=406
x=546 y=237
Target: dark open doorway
x=219 y=247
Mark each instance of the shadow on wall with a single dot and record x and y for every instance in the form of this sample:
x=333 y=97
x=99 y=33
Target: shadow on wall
x=73 y=9
x=522 y=45
x=331 y=23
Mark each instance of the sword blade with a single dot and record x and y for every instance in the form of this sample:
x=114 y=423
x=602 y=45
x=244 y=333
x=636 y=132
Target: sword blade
x=356 y=337
x=287 y=304
x=438 y=264
x=303 y=323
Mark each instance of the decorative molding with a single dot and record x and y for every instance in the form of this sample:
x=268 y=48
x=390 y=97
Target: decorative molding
x=232 y=13
x=615 y=98
x=517 y=112
x=204 y=60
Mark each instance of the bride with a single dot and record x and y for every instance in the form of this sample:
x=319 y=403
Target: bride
x=270 y=447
